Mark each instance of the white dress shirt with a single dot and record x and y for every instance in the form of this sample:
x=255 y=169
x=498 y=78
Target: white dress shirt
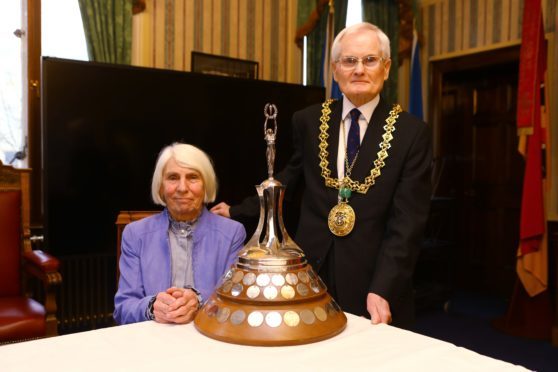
x=366 y=112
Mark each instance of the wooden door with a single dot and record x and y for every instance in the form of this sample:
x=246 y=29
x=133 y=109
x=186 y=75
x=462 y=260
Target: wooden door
x=483 y=170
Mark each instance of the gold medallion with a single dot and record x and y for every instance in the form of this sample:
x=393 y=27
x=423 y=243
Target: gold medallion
x=341 y=219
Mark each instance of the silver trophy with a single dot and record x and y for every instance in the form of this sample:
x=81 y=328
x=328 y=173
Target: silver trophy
x=270 y=296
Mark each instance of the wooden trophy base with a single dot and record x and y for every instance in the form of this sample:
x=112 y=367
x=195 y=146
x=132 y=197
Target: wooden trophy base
x=271 y=308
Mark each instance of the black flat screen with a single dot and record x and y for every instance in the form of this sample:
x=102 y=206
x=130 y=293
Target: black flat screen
x=103 y=126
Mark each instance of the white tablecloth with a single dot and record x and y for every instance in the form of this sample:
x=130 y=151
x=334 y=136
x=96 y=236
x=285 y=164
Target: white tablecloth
x=154 y=347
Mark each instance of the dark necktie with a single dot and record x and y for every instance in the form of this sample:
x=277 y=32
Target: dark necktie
x=353 y=140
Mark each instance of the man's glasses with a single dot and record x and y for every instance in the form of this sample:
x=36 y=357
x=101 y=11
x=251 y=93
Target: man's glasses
x=350 y=62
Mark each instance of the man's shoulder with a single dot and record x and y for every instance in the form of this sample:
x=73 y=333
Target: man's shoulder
x=404 y=119
x=410 y=119
x=309 y=109
x=315 y=110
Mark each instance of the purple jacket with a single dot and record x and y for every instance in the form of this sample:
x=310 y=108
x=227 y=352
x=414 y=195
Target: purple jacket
x=145 y=267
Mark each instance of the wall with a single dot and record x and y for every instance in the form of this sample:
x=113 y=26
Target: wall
x=167 y=31
x=454 y=28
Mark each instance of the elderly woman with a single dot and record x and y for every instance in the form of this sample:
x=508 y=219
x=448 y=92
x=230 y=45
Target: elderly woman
x=172 y=261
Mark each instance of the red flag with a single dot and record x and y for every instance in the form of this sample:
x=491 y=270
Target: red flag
x=530 y=311
x=531 y=47
x=533 y=220
x=532 y=270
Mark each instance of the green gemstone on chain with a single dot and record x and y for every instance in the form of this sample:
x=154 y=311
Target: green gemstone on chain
x=345 y=193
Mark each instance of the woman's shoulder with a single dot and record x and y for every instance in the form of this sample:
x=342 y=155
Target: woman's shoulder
x=221 y=223
x=147 y=224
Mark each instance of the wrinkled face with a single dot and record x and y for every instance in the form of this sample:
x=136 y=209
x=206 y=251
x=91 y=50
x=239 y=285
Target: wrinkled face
x=361 y=83
x=182 y=190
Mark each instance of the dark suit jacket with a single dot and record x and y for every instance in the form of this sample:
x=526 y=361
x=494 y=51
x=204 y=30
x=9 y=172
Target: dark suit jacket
x=379 y=255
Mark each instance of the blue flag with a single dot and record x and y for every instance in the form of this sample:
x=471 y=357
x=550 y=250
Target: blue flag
x=326 y=74
x=415 y=99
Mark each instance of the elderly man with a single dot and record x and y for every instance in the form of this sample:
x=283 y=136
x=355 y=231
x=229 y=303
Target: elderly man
x=366 y=167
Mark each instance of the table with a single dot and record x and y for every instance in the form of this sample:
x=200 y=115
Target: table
x=150 y=346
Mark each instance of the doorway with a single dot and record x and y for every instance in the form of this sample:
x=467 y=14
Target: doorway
x=474 y=121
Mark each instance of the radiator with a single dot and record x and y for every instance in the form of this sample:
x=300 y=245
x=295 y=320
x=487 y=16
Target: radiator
x=86 y=296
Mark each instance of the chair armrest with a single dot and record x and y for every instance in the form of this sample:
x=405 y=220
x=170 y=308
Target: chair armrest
x=43 y=266
x=42 y=260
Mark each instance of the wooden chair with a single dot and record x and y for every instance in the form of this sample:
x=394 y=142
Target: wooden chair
x=124 y=218
x=22 y=317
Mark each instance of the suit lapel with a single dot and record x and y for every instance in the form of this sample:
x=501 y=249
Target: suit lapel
x=370 y=143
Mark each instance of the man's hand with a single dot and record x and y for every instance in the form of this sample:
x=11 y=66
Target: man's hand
x=221 y=209
x=378 y=309
x=176 y=305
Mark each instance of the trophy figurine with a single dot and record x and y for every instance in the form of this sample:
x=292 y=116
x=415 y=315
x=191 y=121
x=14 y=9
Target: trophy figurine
x=270 y=296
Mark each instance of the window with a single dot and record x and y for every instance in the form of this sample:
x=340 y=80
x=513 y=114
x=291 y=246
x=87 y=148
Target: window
x=62 y=39
x=62 y=36
x=354 y=12
x=11 y=131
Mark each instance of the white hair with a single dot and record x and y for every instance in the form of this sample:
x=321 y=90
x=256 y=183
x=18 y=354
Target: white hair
x=186 y=156
x=358 y=28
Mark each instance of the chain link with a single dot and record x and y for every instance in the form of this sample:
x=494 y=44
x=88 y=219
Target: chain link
x=379 y=163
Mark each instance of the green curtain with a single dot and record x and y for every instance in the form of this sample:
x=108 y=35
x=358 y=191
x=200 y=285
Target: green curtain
x=316 y=38
x=108 y=30
x=385 y=15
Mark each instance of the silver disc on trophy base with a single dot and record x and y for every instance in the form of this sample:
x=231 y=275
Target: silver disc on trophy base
x=270 y=296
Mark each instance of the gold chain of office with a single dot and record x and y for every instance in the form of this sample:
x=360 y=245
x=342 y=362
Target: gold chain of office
x=379 y=163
